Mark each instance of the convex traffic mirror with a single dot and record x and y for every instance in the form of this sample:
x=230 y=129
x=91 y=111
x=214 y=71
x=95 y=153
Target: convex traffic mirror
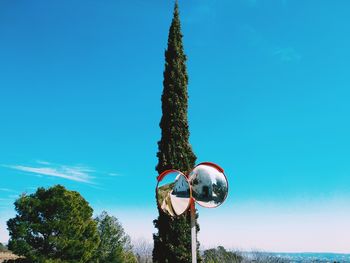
x=206 y=184
x=173 y=192
x=209 y=185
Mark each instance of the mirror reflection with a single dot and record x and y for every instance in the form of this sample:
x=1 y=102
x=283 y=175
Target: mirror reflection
x=209 y=185
x=173 y=193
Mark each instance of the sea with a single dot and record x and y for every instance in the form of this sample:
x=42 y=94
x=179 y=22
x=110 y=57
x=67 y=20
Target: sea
x=309 y=257
x=315 y=257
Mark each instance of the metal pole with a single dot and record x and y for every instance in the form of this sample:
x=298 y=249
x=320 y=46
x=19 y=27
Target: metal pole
x=193 y=233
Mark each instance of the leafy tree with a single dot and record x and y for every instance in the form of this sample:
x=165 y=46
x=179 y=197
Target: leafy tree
x=172 y=243
x=115 y=243
x=53 y=225
x=221 y=255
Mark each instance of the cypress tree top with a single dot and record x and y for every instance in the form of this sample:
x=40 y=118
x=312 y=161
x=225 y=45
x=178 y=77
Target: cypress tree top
x=174 y=149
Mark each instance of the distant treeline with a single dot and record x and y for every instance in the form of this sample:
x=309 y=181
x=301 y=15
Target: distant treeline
x=3 y=248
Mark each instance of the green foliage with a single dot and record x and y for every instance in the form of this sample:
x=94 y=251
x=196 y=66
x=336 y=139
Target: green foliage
x=3 y=248
x=128 y=257
x=221 y=255
x=172 y=243
x=175 y=151
x=53 y=225
x=115 y=243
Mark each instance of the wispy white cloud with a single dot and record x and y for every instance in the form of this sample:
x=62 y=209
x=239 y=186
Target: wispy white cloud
x=77 y=173
x=73 y=173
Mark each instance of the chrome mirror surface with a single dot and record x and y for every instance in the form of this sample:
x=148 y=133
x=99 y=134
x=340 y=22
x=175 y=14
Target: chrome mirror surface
x=209 y=185
x=173 y=193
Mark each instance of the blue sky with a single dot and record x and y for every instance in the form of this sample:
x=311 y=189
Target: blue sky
x=268 y=82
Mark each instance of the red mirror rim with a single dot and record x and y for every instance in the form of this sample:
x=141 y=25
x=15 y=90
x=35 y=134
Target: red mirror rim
x=212 y=165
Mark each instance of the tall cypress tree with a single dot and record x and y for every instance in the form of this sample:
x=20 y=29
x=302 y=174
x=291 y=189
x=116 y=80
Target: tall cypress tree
x=172 y=243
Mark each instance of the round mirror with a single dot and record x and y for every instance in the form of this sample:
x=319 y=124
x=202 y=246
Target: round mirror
x=209 y=185
x=173 y=192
